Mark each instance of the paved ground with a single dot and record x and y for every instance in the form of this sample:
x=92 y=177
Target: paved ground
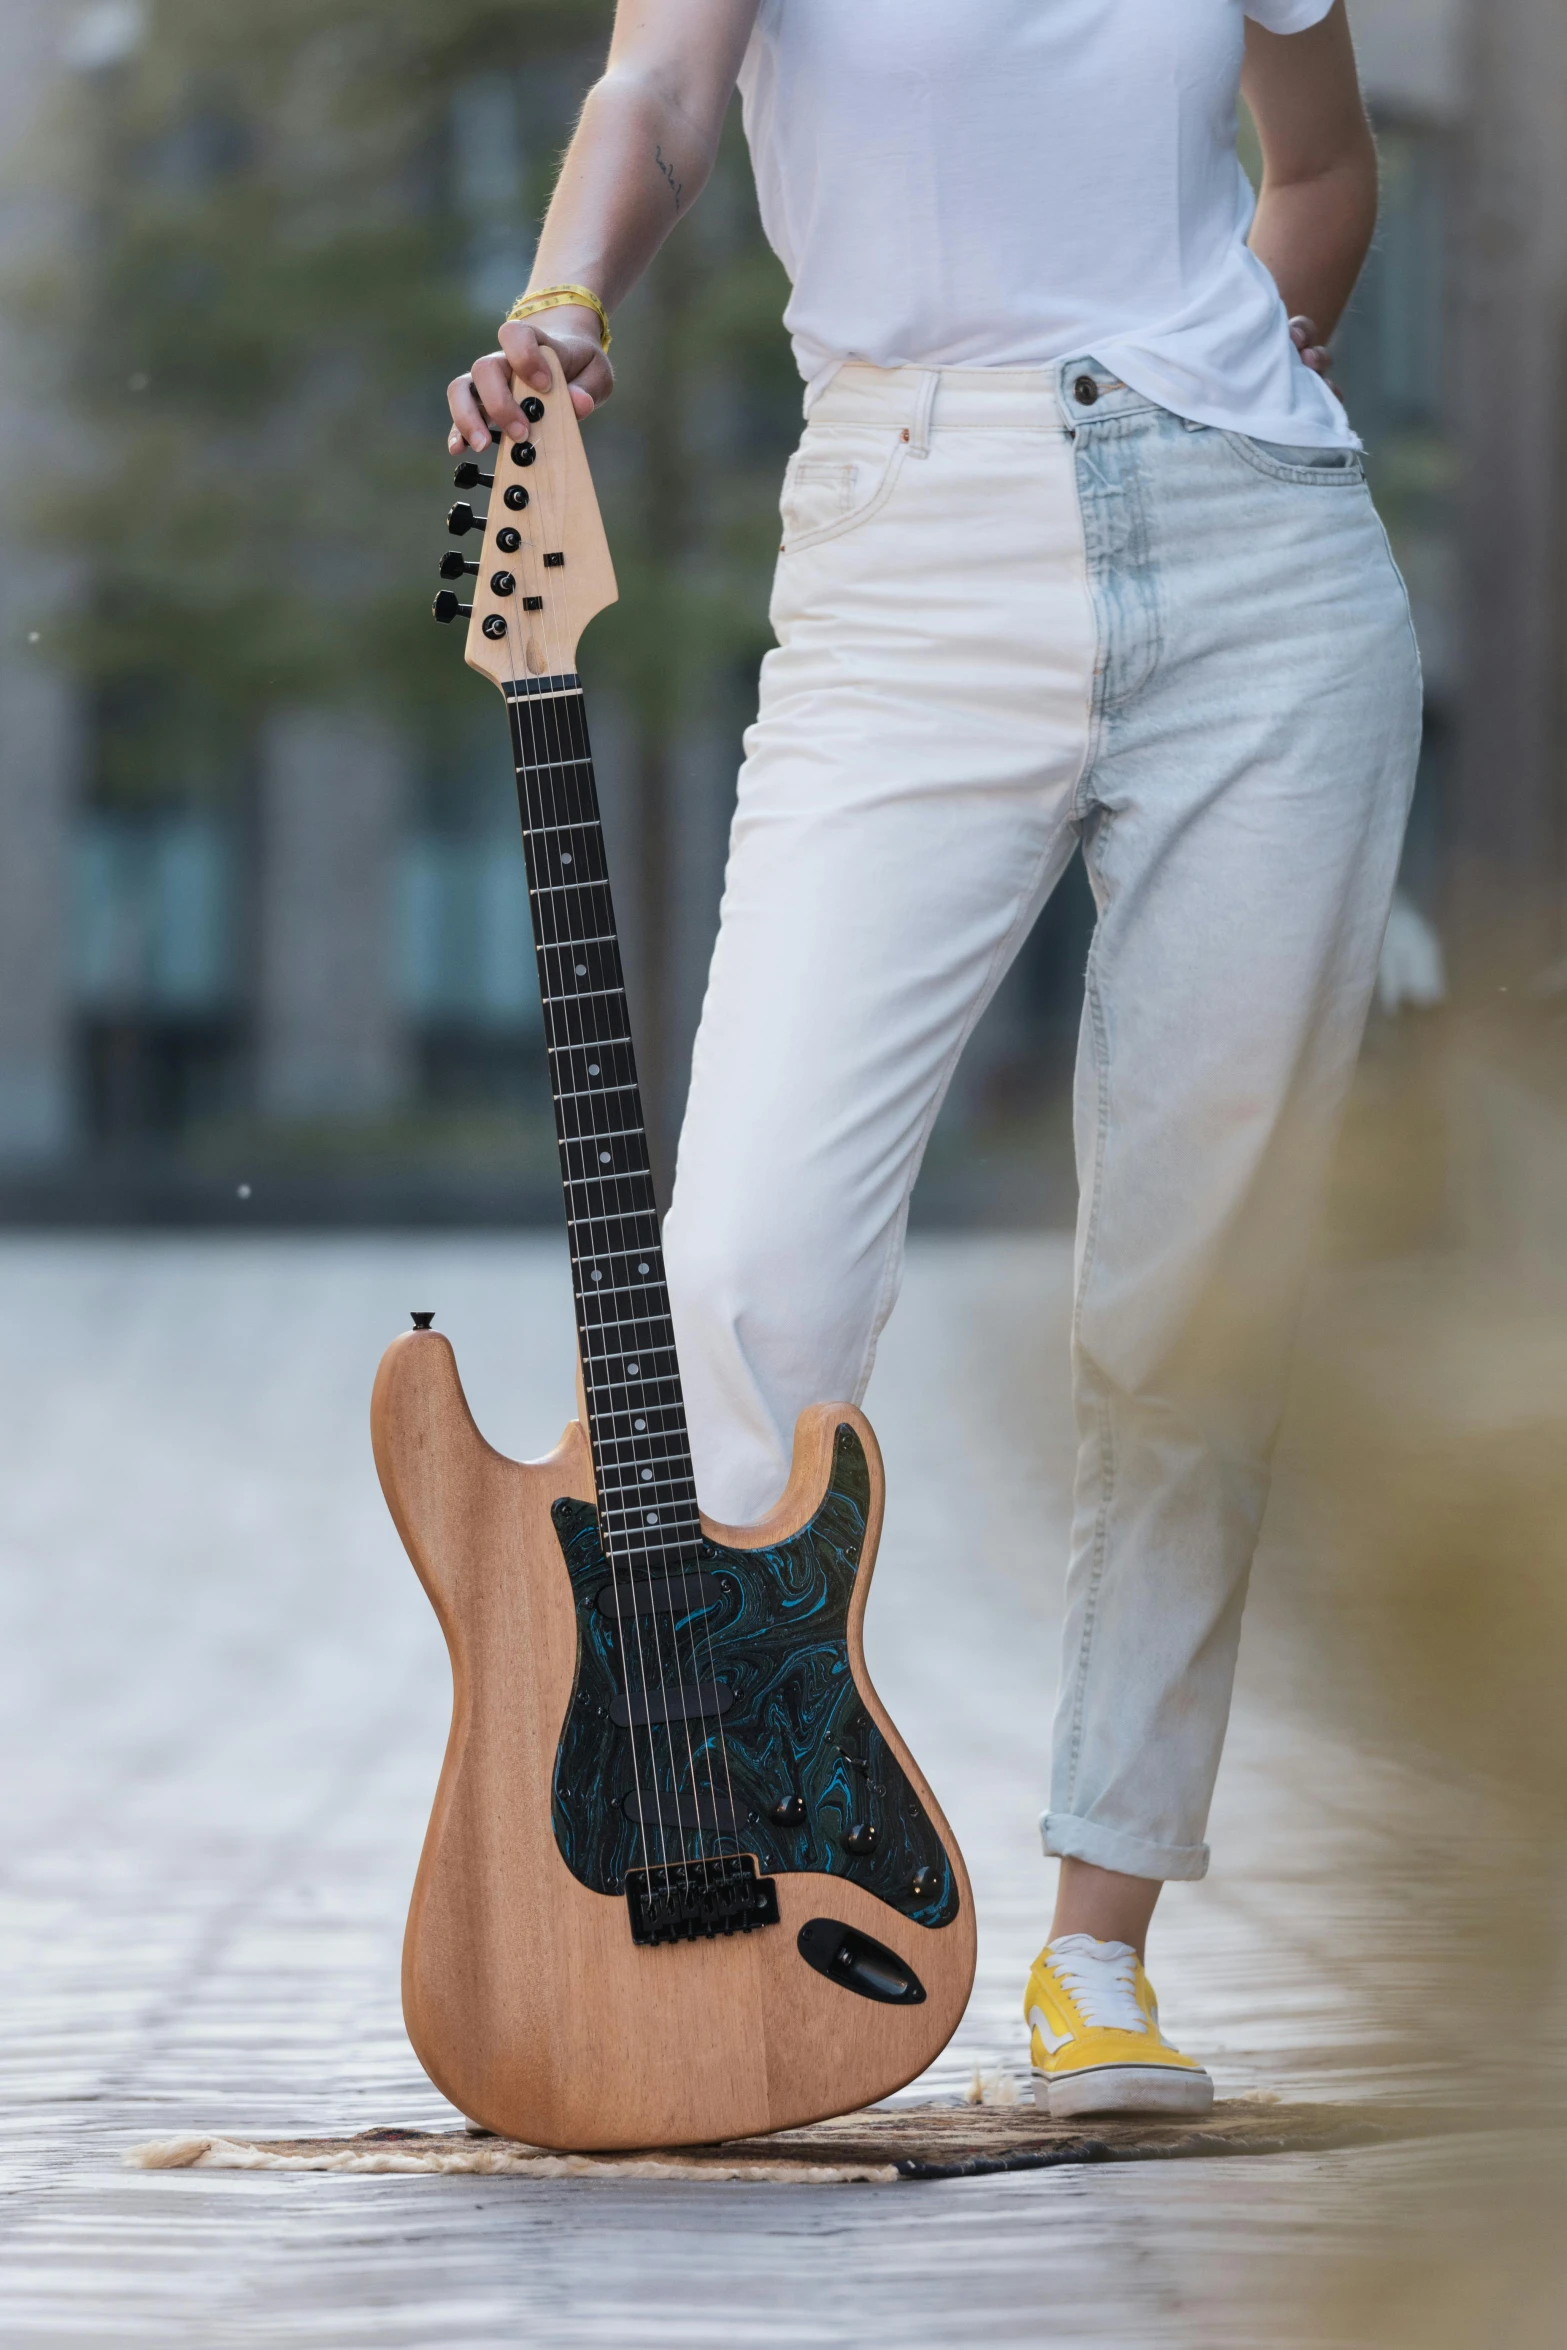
x=224 y=1706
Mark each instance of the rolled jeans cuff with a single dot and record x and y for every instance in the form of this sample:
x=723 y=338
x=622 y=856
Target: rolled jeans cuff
x=1106 y=1848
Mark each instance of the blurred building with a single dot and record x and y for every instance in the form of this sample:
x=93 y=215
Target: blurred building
x=312 y=974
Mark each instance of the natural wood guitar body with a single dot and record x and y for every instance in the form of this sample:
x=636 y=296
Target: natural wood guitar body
x=526 y=1998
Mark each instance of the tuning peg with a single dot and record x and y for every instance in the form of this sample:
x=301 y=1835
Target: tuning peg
x=454 y=565
x=532 y=409
x=446 y=607
x=462 y=519
x=468 y=477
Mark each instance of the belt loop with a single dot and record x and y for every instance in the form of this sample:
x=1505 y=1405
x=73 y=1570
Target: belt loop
x=919 y=431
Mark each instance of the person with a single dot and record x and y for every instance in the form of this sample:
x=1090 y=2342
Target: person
x=1077 y=554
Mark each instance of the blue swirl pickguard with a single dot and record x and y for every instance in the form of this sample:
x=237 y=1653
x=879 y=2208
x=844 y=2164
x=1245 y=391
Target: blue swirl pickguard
x=774 y=1636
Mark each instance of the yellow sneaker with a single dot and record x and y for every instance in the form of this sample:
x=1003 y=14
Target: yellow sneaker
x=1096 y=2044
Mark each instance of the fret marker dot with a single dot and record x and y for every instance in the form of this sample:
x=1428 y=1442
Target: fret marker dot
x=596 y=1276
x=641 y=1268
x=632 y=1369
x=565 y=856
x=652 y=1517
x=603 y=1158
x=647 y=1476
x=593 y=1068
x=581 y=970
x=639 y=1425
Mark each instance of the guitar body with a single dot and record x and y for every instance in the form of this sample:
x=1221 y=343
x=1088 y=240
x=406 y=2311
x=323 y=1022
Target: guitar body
x=527 y=2000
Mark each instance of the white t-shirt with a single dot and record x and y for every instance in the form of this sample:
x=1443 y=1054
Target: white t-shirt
x=1010 y=183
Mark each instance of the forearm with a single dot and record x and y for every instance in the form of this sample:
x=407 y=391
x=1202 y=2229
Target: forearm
x=1313 y=236
x=635 y=167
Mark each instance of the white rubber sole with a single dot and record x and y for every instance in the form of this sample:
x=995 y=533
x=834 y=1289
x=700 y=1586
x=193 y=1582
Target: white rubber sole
x=1122 y=2088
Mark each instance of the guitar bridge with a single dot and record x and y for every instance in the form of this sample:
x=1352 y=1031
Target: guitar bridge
x=693 y=1900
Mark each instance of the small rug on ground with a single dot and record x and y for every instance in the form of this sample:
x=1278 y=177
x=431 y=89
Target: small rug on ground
x=877 y=2147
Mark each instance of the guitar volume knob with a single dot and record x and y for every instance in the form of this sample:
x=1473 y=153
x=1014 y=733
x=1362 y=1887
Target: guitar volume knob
x=861 y=1841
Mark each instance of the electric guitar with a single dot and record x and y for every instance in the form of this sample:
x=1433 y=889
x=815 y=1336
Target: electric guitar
x=683 y=1880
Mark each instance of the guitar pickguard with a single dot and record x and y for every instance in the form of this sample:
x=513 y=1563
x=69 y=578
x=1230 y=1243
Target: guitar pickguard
x=795 y=1735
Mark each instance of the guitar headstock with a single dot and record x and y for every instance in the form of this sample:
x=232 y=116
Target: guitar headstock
x=542 y=570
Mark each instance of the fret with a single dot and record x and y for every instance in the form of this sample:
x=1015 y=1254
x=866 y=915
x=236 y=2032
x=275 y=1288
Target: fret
x=633 y=1391
x=605 y=1052
x=618 y=1133
x=583 y=863
x=642 y=1550
x=575 y=1183
x=604 y=1013
x=567 y=682
x=581 y=995
x=651 y=1287
x=593 y=1093
x=623 y=1484
x=586 y=960
x=645 y=1344
x=579 y=1121
x=549 y=766
x=568 y=918
x=605 y=1170
x=625 y=1216
x=642 y=1356
x=622 y=1488
x=611 y=1448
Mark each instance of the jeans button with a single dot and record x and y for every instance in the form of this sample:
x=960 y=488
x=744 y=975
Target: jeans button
x=1085 y=391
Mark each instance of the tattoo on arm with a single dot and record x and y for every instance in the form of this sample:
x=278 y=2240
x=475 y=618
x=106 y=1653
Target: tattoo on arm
x=668 y=170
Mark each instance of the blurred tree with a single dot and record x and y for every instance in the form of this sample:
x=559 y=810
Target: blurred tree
x=298 y=218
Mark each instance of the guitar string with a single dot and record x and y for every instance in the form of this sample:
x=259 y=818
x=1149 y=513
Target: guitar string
x=556 y=658
x=534 y=807
x=584 y=917
x=643 y=1457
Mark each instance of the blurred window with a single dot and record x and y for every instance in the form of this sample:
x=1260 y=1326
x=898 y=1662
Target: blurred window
x=155 y=900
x=466 y=946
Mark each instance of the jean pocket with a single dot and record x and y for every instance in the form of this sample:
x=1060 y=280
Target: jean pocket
x=1317 y=468
x=829 y=490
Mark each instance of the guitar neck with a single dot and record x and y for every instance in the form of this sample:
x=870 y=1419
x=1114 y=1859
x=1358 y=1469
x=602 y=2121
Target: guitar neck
x=631 y=1379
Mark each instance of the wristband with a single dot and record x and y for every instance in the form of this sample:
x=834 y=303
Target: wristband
x=557 y=298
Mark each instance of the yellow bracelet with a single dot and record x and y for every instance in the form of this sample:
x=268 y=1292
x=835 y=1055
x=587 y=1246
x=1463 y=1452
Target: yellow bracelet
x=556 y=298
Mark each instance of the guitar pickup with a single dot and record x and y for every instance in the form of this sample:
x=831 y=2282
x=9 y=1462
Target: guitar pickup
x=688 y=1701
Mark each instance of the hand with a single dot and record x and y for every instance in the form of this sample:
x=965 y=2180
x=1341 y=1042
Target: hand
x=1303 y=334
x=482 y=398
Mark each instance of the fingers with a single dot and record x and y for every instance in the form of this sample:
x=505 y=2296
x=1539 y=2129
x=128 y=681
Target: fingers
x=469 y=428
x=1303 y=334
x=492 y=382
x=483 y=398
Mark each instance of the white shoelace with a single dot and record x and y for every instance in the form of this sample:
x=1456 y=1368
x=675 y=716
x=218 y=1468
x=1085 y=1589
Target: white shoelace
x=1102 y=1978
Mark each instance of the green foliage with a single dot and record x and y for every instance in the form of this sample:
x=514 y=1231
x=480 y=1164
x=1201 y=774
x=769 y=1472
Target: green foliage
x=279 y=286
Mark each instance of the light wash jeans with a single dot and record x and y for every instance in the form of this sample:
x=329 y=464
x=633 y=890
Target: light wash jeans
x=1011 y=620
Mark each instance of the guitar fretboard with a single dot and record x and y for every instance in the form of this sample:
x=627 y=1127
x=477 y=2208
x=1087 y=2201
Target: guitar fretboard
x=636 y=1415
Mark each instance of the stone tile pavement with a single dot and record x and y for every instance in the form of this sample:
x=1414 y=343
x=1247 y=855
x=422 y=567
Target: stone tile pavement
x=222 y=1707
